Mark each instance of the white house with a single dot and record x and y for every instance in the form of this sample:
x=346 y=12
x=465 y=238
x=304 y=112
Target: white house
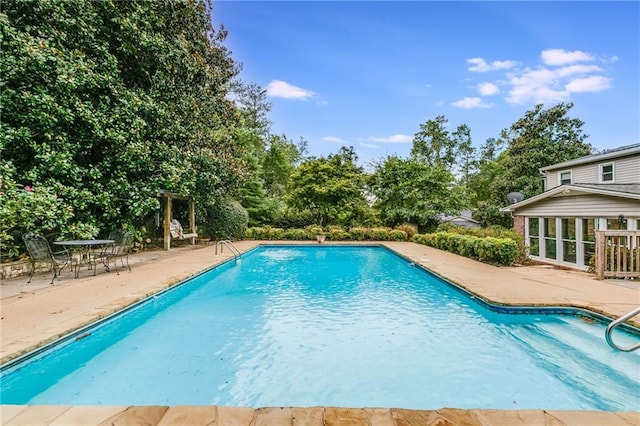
x=596 y=192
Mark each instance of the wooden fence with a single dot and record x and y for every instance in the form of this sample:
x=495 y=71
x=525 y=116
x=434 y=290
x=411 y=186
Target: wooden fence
x=617 y=254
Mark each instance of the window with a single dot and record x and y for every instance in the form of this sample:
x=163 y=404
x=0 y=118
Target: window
x=606 y=172
x=588 y=240
x=565 y=177
x=568 y=239
x=549 y=227
x=534 y=236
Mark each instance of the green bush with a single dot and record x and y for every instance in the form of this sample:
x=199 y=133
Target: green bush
x=397 y=235
x=358 y=233
x=295 y=234
x=337 y=233
x=226 y=220
x=313 y=230
x=502 y=251
x=409 y=229
x=254 y=233
x=378 y=234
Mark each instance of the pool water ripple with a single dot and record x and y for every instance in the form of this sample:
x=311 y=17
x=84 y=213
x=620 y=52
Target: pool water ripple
x=333 y=326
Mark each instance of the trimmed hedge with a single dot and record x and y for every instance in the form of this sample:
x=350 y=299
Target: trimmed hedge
x=333 y=233
x=501 y=251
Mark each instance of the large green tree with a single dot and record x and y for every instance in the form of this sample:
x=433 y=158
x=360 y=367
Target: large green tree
x=331 y=187
x=105 y=102
x=411 y=191
x=541 y=138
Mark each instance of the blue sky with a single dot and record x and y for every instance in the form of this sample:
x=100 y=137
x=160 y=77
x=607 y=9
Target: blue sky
x=367 y=74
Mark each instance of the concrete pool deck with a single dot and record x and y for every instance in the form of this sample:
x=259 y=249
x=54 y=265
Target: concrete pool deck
x=37 y=313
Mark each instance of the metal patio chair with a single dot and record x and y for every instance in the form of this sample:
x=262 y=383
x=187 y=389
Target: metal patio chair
x=122 y=245
x=40 y=252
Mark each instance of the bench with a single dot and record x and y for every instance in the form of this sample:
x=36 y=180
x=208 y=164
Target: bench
x=178 y=233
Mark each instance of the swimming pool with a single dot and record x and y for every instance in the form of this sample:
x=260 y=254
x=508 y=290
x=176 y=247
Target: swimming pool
x=322 y=325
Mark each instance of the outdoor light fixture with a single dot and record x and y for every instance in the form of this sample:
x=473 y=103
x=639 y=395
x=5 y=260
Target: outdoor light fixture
x=621 y=219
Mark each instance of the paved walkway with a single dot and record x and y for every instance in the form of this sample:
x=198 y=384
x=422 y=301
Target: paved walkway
x=36 y=313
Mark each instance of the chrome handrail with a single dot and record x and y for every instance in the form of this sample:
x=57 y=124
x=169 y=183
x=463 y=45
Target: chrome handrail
x=614 y=324
x=234 y=250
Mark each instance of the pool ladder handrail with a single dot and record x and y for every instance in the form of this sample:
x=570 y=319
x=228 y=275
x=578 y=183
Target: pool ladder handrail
x=614 y=324
x=232 y=248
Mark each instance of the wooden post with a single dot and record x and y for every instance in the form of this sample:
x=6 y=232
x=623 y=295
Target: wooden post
x=192 y=219
x=601 y=252
x=167 y=224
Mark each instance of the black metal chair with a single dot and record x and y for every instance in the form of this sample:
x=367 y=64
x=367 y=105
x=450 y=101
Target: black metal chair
x=122 y=245
x=40 y=252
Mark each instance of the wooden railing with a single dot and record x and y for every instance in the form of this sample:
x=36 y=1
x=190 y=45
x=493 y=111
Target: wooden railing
x=617 y=254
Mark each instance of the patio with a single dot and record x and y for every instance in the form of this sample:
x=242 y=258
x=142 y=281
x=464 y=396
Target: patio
x=33 y=314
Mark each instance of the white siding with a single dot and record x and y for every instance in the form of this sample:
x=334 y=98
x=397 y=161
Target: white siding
x=586 y=174
x=626 y=170
x=552 y=180
x=582 y=206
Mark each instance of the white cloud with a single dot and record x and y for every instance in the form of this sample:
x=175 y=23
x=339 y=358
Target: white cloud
x=282 y=89
x=594 y=83
x=576 y=69
x=368 y=145
x=399 y=138
x=470 y=103
x=555 y=84
x=563 y=57
x=333 y=139
x=558 y=74
x=488 y=89
x=480 y=65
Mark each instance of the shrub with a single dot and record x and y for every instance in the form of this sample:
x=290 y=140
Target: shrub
x=226 y=220
x=357 y=233
x=397 y=235
x=409 y=229
x=337 y=233
x=271 y=233
x=377 y=234
x=295 y=234
x=313 y=230
x=502 y=251
x=255 y=233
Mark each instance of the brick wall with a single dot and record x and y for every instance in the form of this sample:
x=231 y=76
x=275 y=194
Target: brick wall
x=518 y=224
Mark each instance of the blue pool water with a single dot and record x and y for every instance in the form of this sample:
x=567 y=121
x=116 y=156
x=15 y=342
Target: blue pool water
x=334 y=326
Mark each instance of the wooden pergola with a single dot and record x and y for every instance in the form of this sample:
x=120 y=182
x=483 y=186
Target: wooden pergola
x=168 y=198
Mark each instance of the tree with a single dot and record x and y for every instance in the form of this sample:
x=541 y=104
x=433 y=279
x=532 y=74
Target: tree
x=410 y=191
x=540 y=138
x=464 y=153
x=490 y=165
x=254 y=107
x=280 y=161
x=106 y=102
x=432 y=145
x=332 y=188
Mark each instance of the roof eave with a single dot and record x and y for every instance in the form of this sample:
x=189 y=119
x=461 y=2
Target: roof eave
x=567 y=189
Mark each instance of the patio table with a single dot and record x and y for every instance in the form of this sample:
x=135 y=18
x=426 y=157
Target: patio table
x=83 y=248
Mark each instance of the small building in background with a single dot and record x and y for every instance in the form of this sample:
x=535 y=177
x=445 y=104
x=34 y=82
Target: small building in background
x=463 y=219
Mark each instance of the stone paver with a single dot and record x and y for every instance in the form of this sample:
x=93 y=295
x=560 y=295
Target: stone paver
x=83 y=415
x=37 y=415
x=311 y=416
x=180 y=415
x=38 y=313
x=143 y=416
